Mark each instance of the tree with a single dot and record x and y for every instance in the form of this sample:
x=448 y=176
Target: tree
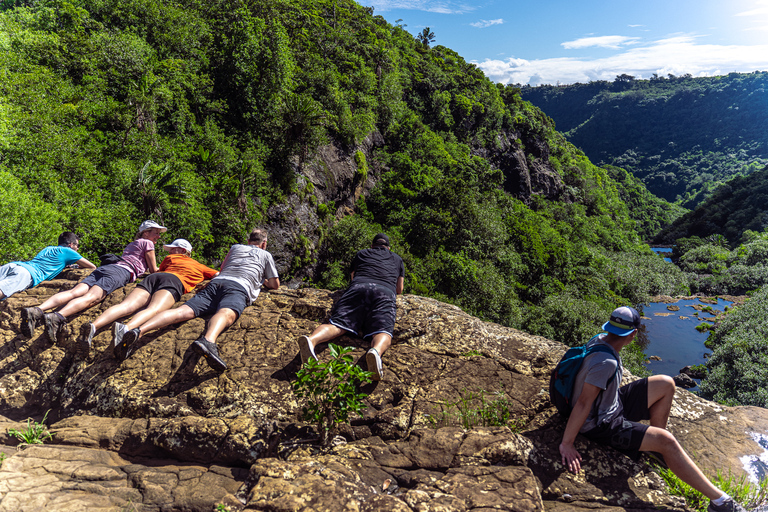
x=426 y=37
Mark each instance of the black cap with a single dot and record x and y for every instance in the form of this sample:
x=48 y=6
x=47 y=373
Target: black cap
x=380 y=239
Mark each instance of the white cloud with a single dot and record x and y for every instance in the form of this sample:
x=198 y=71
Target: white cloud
x=676 y=55
x=438 y=6
x=613 y=42
x=487 y=23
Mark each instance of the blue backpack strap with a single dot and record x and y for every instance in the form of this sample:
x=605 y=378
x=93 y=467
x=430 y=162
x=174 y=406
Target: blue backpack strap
x=606 y=349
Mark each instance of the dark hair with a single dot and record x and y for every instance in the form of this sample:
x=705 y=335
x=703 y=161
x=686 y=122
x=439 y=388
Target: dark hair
x=67 y=238
x=257 y=236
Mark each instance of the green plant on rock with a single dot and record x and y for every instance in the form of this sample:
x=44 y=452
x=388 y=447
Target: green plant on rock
x=35 y=433
x=474 y=409
x=331 y=390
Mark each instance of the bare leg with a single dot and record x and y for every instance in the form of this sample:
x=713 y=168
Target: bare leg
x=661 y=392
x=324 y=333
x=60 y=298
x=662 y=441
x=135 y=300
x=91 y=297
x=166 y=318
x=220 y=321
x=161 y=300
x=381 y=342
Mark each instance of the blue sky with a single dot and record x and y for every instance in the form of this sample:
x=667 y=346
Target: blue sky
x=552 y=41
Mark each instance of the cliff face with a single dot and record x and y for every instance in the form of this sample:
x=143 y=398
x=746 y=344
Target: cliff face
x=162 y=431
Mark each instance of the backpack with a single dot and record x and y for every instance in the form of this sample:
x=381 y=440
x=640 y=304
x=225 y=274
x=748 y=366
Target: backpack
x=564 y=375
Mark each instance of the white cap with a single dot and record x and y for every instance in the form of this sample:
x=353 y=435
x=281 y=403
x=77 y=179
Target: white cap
x=179 y=242
x=149 y=224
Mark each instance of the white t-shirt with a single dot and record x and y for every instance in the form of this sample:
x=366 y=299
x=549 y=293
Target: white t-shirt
x=249 y=266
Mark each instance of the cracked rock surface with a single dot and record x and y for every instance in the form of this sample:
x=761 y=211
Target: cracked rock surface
x=162 y=431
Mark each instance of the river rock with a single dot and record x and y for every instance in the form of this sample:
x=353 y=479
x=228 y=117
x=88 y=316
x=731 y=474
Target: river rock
x=162 y=431
x=684 y=381
x=697 y=373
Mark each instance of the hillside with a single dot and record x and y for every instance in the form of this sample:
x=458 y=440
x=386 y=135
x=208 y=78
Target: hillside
x=682 y=136
x=325 y=124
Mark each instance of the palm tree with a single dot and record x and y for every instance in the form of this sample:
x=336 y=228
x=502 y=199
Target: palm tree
x=426 y=37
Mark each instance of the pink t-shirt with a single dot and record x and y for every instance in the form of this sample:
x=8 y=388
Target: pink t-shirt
x=134 y=256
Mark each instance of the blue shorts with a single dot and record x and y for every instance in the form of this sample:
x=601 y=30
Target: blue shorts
x=624 y=432
x=163 y=281
x=366 y=309
x=109 y=278
x=14 y=278
x=219 y=294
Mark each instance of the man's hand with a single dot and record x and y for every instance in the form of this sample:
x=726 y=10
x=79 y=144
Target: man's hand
x=570 y=457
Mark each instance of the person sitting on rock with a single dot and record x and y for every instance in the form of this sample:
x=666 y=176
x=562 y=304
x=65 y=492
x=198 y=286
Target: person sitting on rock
x=18 y=276
x=138 y=257
x=609 y=414
x=244 y=270
x=368 y=306
x=178 y=274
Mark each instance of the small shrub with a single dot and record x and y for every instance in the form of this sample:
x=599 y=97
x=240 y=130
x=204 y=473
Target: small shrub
x=739 y=488
x=35 y=433
x=331 y=390
x=473 y=409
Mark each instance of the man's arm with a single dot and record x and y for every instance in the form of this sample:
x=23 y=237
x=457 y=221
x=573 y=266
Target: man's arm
x=400 y=285
x=84 y=263
x=570 y=457
x=273 y=283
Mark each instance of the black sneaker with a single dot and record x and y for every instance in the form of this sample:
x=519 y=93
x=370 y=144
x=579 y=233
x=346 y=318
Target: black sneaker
x=30 y=318
x=728 y=506
x=54 y=323
x=122 y=349
x=85 y=341
x=208 y=350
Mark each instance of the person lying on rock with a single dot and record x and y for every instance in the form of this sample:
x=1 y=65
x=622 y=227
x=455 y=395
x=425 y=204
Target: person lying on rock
x=244 y=270
x=610 y=415
x=368 y=306
x=138 y=257
x=18 y=276
x=178 y=274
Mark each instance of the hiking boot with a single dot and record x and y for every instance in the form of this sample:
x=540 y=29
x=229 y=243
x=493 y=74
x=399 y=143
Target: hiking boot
x=122 y=349
x=54 y=324
x=373 y=359
x=728 y=506
x=85 y=341
x=211 y=354
x=306 y=349
x=30 y=318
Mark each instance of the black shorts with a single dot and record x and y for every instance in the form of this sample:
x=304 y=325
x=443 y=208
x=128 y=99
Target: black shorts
x=624 y=432
x=163 y=281
x=366 y=309
x=219 y=294
x=109 y=278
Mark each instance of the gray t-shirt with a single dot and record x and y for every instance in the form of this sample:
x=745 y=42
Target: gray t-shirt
x=597 y=369
x=248 y=266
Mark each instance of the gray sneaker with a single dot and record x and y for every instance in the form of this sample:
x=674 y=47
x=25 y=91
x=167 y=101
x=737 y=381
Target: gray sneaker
x=85 y=341
x=306 y=349
x=373 y=359
x=118 y=331
x=211 y=354
x=728 y=506
x=122 y=349
x=54 y=323
x=30 y=319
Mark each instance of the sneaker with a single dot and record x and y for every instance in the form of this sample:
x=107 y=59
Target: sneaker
x=728 y=506
x=373 y=360
x=30 y=318
x=211 y=354
x=85 y=341
x=54 y=323
x=306 y=349
x=118 y=331
x=122 y=349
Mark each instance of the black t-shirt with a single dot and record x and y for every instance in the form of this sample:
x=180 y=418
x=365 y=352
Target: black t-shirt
x=378 y=265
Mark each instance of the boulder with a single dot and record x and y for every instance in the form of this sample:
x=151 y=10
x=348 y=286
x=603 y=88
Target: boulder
x=154 y=430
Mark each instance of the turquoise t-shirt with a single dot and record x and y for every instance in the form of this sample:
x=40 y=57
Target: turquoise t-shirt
x=49 y=262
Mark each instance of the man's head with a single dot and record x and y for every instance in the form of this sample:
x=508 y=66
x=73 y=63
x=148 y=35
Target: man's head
x=624 y=321
x=69 y=239
x=258 y=237
x=380 y=240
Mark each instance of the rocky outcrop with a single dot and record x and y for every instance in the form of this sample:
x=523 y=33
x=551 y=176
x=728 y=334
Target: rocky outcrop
x=162 y=431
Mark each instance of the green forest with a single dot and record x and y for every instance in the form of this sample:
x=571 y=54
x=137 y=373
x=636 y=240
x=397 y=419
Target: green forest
x=682 y=136
x=213 y=118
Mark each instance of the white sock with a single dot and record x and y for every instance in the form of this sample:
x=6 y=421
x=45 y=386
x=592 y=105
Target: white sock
x=721 y=499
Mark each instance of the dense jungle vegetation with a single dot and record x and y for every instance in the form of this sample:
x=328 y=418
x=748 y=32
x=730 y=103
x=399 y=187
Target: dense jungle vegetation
x=202 y=115
x=682 y=136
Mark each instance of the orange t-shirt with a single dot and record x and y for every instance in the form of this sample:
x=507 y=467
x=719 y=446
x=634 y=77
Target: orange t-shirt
x=188 y=270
